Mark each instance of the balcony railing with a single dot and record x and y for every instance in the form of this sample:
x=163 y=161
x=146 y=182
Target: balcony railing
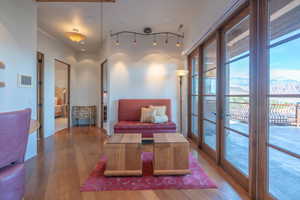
x=280 y=114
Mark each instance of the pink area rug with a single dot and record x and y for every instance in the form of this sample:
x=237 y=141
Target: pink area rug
x=196 y=180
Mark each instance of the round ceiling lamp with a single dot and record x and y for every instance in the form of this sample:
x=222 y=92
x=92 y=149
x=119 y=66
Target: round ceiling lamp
x=75 y=36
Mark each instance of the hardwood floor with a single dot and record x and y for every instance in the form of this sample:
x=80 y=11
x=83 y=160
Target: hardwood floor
x=67 y=158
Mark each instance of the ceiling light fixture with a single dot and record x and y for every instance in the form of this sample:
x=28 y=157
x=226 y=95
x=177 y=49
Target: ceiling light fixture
x=75 y=36
x=168 y=35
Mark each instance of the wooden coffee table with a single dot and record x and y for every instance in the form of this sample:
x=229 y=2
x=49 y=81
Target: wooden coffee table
x=123 y=153
x=171 y=154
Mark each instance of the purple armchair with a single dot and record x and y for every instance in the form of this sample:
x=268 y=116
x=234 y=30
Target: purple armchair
x=14 y=128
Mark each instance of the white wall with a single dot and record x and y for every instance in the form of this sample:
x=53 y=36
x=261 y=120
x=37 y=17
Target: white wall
x=53 y=49
x=142 y=71
x=87 y=76
x=18 y=52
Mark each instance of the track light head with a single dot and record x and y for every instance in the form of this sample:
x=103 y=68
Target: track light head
x=134 y=41
x=167 y=39
x=117 y=41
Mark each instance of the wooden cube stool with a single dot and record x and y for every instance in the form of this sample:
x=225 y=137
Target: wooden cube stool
x=123 y=153
x=171 y=154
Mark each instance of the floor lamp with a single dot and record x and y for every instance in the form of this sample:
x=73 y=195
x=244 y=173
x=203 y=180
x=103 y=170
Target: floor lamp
x=181 y=73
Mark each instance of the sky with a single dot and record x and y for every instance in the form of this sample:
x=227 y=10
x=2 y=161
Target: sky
x=284 y=61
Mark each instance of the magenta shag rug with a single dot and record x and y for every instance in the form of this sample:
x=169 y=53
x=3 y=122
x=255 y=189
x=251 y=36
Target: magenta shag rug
x=196 y=180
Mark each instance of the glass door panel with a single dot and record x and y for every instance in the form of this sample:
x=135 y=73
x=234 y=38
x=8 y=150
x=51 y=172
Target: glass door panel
x=237 y=93
x=194 y=95
x=237 y=150
x=284 y=100
x=209 y=75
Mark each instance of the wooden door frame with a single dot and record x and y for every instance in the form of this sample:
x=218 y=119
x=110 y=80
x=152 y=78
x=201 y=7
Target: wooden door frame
x=69 y=89
x=102 y=91
x=233 y=171
x=40 y=69
x=198 y=138
x=206 y=148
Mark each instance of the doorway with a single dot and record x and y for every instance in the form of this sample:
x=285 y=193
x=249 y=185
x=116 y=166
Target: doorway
x=62 y=95
x=104 y=95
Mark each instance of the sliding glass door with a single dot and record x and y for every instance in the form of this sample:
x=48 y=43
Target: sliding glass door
x=236 y=99
x=283 y=145
x=209 y=96
x=249 y=117
x=194 y=96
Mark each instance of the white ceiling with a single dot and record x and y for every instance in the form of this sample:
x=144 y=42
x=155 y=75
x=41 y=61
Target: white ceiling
x=132 y=15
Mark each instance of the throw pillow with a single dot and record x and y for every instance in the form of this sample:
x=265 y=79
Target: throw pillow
x=160 y=119
x=160 y=110
x=147 y=115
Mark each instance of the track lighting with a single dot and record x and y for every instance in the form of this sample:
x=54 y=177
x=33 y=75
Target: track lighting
x=168 y=35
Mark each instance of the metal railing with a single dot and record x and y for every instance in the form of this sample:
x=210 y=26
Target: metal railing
x=280 y=114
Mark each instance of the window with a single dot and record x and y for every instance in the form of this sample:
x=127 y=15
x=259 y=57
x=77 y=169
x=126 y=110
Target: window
x=284 y=100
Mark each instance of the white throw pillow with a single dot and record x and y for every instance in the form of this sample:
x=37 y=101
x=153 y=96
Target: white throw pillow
x=147 y=115
x=160 y=110
x=160 y=119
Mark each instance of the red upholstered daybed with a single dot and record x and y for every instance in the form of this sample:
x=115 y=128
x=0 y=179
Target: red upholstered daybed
x=129 y=114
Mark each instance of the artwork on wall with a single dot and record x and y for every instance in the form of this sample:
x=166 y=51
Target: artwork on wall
x=2 y=66
x=24 y=81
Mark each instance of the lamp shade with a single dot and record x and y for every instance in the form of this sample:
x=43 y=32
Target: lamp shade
x=182 y=72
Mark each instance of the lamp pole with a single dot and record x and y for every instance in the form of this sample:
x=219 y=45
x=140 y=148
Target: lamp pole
x=181 y=73
x=180 y=83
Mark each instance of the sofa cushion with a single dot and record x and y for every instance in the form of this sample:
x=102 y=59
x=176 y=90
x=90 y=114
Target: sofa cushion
x=136 y=125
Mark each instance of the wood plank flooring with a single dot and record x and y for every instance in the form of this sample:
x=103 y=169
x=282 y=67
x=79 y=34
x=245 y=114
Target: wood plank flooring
x=66 y=159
